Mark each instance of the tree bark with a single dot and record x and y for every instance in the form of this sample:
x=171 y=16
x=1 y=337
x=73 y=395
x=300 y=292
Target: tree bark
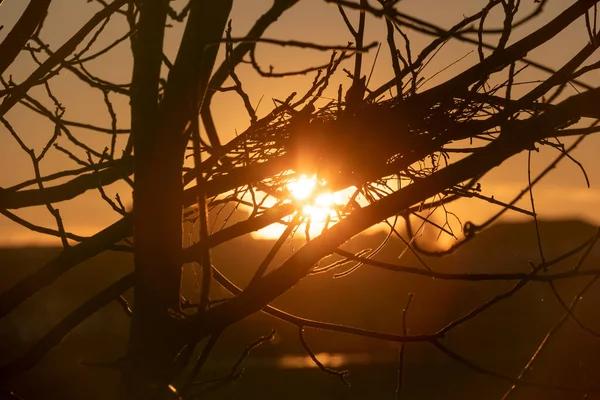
x=156 y=217
x=159 y=130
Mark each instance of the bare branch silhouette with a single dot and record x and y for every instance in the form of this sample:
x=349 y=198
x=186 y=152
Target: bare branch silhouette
x=370 y=149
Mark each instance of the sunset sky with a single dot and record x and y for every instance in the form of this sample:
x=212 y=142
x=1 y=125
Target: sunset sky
x=563 y=195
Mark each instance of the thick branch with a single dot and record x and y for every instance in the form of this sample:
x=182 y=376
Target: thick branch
x=69 y=258
x=298 y=265
x=17 y=38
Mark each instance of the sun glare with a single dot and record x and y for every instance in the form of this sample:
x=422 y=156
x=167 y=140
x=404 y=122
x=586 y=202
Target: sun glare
x=321 y=209
x=317 y=204
x=303 y=188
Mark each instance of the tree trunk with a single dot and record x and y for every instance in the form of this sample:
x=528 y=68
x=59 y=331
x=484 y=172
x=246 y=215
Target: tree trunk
x=159 y=138
x=157 y=216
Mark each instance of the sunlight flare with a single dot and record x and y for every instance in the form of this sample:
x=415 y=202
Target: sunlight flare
x=302 y=188
x=319 y=206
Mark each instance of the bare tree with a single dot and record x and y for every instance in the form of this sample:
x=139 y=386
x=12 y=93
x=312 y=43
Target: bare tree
x=388 y=145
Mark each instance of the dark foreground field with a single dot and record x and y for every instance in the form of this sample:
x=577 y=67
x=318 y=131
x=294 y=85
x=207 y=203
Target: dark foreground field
x=500 y=340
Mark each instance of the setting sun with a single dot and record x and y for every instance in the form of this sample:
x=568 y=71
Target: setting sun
x=317 y=203
x=303 y=188
x=321 y=208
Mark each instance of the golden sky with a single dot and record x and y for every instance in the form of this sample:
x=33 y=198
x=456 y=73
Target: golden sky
x=562 y=195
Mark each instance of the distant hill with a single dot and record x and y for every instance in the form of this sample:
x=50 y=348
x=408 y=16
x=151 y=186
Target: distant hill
x=503 y=338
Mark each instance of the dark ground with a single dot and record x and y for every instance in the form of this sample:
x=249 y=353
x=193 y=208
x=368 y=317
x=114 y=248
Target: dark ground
x=502 y=339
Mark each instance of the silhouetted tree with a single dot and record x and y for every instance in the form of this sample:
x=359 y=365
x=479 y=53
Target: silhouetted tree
x=389 y=144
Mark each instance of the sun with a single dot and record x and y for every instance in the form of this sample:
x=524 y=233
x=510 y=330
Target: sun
x=319 y=206
x=303 y=187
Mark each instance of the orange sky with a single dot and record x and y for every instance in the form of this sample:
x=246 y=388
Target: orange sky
x=562 y=195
